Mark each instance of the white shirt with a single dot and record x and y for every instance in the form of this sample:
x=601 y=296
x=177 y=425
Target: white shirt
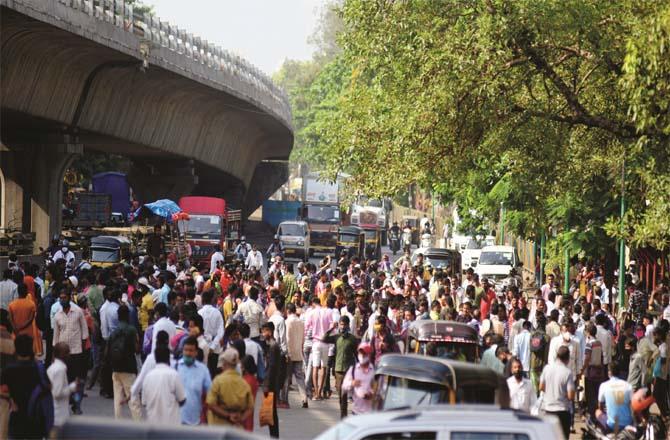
x=605 y=338
x=576 y=356
x=253 y=315
x=163 y=324
x=162 y=392
x=521 y=394
x=255 y=259
x=216 y=257
x=280 y=330
x=522 y=348
x=666 y=313
x=68 y=257
x=212 y=322
x=9 y=291
x=60 y=390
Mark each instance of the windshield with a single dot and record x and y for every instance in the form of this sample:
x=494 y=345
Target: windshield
x=348 y=238
x=292 y=230
x=370 y=235
x=104 y=255
x=495 y=258
x=203 y=225
x=450 y=350
x=473 y=244
x=326 y=214
x=402 y=392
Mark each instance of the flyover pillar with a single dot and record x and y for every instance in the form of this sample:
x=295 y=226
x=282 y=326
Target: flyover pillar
x=33 y=187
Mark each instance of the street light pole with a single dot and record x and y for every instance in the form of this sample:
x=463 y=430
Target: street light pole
x=502 y=223
x=543 y=239
x=622 y=241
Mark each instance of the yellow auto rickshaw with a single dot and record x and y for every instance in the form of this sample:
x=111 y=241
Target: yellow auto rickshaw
x=350 y=239
x=107 y=250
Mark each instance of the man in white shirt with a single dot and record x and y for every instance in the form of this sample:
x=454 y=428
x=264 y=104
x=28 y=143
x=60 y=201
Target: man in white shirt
x=254 y=259
x=252 y=312
x=605 y=338
x=567 y=339
x=9 y=291
x=522 y=347
x=521 y=392
x=60 y=389
x=162 y=391
x=212 y=322
x=64 y=253
x=277 y=319
x=217 y=257
x=163 y=323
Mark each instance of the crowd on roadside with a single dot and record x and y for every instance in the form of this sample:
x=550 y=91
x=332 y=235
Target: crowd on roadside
x=177 y=343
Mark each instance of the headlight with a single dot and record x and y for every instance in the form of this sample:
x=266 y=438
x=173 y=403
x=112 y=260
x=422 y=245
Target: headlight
x=301 y=243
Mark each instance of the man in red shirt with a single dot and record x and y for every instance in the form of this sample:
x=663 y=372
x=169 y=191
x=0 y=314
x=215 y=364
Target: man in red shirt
x=487 y=299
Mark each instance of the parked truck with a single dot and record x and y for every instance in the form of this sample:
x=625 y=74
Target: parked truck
x=321 y=211
x=210 y=224
x=372 y=211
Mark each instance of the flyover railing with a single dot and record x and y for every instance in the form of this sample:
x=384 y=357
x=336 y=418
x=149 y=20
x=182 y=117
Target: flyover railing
x=157 y=33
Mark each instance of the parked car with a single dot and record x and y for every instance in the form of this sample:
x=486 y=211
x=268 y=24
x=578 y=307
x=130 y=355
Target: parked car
x=441 y=422
x=496 y=263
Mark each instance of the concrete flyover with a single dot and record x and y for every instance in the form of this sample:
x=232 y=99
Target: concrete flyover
x=92 y=75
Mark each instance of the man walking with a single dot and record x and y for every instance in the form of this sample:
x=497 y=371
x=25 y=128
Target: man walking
x=295 y=339
x=319 y=321
x=558 y=384
x=61 y=388
x=70 y=328
x=521 y=392
x=123 y=345
x=229 y=400
x=162 y=391
x=196 y=380
x=272 y=382
x=345 y=358
x=212 y=322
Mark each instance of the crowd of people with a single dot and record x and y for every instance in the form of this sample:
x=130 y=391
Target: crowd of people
x=177 y=343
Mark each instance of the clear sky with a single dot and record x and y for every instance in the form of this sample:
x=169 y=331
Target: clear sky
x=264 y=32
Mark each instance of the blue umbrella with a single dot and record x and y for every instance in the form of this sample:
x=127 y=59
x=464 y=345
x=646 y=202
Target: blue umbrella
x=162 y=208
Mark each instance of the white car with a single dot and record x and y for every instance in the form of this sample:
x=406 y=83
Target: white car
x=446 y=422
x=496 y=262
x=294 y=236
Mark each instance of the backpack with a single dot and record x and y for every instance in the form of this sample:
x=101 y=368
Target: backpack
x=538 y=342
x=41 y=402
x=117 y=349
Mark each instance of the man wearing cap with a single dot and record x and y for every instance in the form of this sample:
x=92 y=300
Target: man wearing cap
x=254 y=259
x=358 y=381
x=64 y=253
x=229 y=400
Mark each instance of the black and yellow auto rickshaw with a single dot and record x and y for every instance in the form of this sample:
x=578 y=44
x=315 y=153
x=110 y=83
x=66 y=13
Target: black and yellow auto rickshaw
x=410 y=380
x=373 y=243
x=352 y=240
x=107 y=250
x=443 y=339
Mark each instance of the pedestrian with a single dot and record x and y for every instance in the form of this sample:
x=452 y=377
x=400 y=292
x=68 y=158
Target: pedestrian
x=22 y=314
x=272 y=382
x=123 y=346
x=277 y=319
x=660 y=372
x=615 y=397
x=522 y=347
x=594 y=370
x=229 y=400
x=251 y=312
x=162 y=391
x=163 y=323
x=359 y=379
x=319 y=320
x=17 y=382
x=61 y=388
x=70 y=328
x=212 y=321
x=295 y=339
x=249 y=375
x=196 y=380
x=539 y=351
x=109 y=321
x=345 y=358
x=253 y=349
x=558 y=384
x=155 y=243
x=521 y=393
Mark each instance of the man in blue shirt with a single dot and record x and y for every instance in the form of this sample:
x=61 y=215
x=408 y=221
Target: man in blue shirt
x=196 y=380
x=615 y=396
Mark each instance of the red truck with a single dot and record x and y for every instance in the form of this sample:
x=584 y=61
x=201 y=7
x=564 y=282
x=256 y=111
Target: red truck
x=210 y=224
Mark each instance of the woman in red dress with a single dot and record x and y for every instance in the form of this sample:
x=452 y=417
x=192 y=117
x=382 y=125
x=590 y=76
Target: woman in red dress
x=249 y=375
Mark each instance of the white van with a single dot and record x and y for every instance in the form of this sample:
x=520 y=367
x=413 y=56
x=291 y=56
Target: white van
x=294 y=235
x=496 y=262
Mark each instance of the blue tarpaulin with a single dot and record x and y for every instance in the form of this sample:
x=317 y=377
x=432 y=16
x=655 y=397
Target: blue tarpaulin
x=162 y=208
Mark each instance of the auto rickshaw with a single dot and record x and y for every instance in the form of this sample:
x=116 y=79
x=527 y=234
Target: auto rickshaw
x=352 y=240
x=373 y=243
x=410 y=380
x=414 y=224
x=443 y=339
x=107 y=250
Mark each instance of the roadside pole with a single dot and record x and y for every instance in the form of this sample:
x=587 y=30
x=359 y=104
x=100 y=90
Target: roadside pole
x=502 y=223
x=566 y=271
x=543 y=239
x=622 y=241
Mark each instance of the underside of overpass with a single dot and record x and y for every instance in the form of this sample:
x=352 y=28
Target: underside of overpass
x=65 y=93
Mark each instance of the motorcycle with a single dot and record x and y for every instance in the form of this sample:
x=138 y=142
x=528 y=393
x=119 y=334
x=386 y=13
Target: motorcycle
x=407 y=240
x=394 y=241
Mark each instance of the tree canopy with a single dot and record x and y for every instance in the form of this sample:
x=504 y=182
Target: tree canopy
x=541 y=106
